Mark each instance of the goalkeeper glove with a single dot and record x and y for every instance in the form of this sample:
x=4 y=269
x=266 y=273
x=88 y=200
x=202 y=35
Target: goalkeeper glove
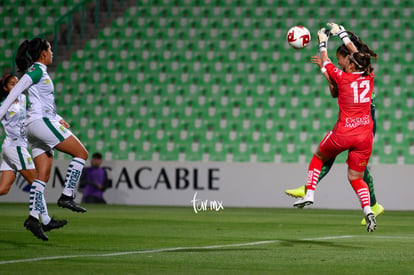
x=323 y=36
x=339 y=31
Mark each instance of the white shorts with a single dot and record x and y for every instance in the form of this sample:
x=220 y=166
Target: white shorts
x=16 y=158
x=44 y=134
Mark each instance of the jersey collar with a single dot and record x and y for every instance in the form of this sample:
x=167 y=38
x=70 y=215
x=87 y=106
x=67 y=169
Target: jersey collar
x=43 y=66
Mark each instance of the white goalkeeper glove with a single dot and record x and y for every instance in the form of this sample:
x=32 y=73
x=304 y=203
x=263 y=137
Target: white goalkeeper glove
x=323 y=36
x=339 y=31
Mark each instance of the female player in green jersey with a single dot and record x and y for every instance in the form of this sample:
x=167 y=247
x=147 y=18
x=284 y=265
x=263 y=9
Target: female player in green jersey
x=45 y=130
x=15 y=156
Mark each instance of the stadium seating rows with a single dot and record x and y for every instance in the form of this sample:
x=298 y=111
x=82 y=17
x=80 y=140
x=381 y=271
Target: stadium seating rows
x=25 y=19
x=215 y=80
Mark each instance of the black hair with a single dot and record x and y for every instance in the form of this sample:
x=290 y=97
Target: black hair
x=361 y=47
x=362 y=62
x=97 y=155
x=342 y=50
x=4 y=81
x=362 y=58
x=29 y=52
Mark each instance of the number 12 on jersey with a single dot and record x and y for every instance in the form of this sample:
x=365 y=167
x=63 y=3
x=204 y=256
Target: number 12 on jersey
x=361 y=98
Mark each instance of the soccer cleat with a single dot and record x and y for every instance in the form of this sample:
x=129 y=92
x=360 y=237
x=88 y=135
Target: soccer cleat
x=306 y=200
x=296 y=192
x=54 y=224
x=371 y=222
x=378 y=209
x=32 y=224
x=68 y=202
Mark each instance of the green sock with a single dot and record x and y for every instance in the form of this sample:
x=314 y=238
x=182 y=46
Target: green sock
x=325 y=169
x=369 y=180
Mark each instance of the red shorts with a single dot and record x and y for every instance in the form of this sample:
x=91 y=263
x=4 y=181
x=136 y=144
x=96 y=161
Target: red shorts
x=360 y=148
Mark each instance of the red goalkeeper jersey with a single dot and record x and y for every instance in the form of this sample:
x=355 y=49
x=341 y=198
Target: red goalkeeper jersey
x=354 y=100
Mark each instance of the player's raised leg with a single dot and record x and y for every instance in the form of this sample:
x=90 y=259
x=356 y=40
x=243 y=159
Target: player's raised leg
x=74 y=147
x=361 y=189
x=299 y=192
x=37 y=202
x=36 y=207
x=315 y=167
x=6 y=181
x=48 y=223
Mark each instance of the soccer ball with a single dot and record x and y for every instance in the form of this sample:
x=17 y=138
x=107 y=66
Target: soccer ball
x=298 y=37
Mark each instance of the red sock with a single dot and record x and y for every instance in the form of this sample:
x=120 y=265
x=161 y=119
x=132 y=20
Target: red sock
x=361 y=189
x=314 y=170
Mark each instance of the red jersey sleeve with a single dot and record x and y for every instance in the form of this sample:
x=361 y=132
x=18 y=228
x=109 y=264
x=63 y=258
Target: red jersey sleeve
x=334 y=73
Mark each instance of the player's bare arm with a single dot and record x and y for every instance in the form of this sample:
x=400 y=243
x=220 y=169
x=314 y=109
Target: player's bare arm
x=341 y=33
x=332 y=85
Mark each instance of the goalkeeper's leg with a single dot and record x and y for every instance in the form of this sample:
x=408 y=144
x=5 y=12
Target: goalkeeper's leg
x=300 y=191
x=377 y=208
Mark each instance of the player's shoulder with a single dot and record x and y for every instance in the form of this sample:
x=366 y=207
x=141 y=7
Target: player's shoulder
x=35 y=72
x=330 y=66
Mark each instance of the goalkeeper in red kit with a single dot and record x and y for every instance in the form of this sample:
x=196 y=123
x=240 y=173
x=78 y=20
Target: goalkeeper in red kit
x=342 y=55
x=353 y=131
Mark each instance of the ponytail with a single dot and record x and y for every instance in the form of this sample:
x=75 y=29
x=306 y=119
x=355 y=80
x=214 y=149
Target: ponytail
x=29 y=52
x=362 y=58
x=361 y=46
x=362 y=62
x=23 y=59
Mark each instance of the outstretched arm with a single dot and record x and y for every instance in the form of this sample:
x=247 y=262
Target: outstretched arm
x=24 y=83
x=323 y=36
x=323 y=45
x=341 y=33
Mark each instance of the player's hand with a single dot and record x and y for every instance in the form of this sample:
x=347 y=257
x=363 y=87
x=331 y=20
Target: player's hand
x=317 y=60
x=65 y=124
x=323 y=40
x=322 y=35
x=337 y=30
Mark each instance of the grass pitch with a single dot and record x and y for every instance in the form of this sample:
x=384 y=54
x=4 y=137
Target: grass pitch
x=113 y=239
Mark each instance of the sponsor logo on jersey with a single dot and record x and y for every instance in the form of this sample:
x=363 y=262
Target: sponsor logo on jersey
x=62 y=128
x=351 y=122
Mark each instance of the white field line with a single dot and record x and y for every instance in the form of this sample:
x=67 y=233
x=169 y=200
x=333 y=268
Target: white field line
x=172 y=249
x=159 y=250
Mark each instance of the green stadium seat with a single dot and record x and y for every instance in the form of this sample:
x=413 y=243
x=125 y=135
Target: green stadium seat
x=219 y=68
